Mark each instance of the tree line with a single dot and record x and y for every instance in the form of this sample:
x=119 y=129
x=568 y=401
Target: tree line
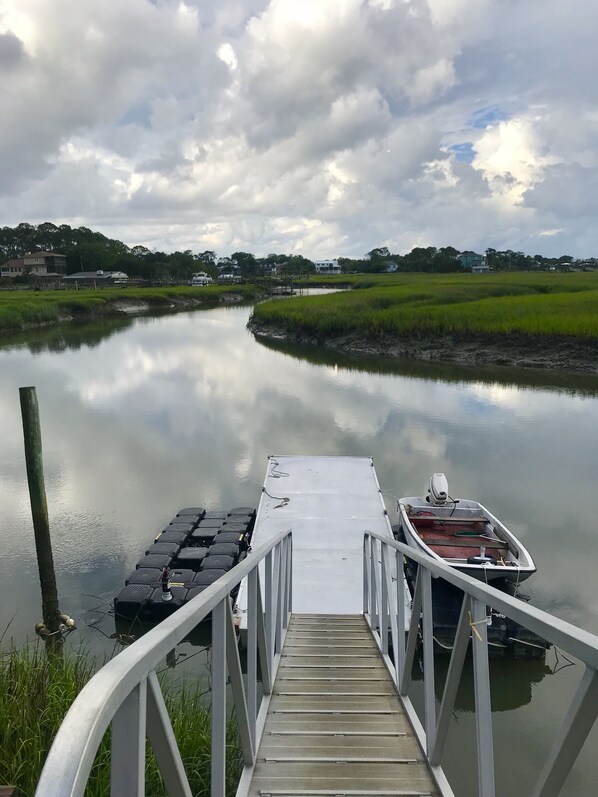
x=89 y=250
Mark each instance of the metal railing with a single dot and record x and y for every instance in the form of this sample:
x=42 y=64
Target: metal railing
x=126 y=693
x=385 y=606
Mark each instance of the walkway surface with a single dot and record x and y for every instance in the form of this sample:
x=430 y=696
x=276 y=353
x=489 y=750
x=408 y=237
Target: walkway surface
x=335 y=725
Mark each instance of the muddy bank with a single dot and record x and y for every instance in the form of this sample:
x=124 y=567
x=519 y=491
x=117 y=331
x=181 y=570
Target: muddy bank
x=137 y=306
x=513 y=349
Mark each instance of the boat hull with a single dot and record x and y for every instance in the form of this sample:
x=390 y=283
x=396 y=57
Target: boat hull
x=469 y=538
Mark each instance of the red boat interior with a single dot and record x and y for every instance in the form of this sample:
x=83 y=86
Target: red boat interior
x=453 y=538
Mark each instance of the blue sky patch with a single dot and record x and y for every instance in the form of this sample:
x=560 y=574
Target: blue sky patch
x=490 y=115
x=463 y=152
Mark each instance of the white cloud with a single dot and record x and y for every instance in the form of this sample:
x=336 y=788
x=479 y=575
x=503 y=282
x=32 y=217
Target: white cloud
x=285 y=126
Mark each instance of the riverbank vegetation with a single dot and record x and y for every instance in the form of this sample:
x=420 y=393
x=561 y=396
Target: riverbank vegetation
x=402 y=305
x=37 y=690
x=20 y=309
x=90 y=250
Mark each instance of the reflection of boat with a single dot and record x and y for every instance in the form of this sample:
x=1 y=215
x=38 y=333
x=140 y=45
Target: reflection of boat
x=512 y=682
x=463 y=534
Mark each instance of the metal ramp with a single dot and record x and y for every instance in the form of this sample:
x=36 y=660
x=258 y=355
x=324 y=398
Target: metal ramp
x=335 y=725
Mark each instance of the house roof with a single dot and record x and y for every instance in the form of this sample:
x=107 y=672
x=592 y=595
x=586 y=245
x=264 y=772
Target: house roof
x=44 y=254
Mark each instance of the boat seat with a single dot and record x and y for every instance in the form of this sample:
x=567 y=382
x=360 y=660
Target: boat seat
x=466 y=542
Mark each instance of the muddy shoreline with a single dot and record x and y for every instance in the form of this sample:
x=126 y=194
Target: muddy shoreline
x=551 y=352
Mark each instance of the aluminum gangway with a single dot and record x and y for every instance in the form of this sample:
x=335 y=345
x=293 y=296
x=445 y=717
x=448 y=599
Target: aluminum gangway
x=295 y=679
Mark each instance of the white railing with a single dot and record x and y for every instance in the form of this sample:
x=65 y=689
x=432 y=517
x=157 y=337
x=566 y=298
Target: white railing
x=126 y=693
x=385 y=600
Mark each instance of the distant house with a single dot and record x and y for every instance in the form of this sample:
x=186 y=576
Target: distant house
x=392 y=267
x=476 y=263
x=201 y=279
x=38 y=264
x=327 y=267
x=98 y=277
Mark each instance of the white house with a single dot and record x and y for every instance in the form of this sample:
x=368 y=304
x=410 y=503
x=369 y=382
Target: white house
x=327 y=267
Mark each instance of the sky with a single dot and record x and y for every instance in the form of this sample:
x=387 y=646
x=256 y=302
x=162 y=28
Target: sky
x=316 y=127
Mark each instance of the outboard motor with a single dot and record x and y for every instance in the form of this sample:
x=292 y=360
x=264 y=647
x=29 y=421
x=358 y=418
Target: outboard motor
x=438 y=490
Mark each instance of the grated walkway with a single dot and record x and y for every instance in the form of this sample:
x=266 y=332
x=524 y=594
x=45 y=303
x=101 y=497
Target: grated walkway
x=335 y=725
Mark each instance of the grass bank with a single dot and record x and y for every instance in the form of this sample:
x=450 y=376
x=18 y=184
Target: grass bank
x=35 y=694
x=407 y=315
x=535 y=304
x=22 y=309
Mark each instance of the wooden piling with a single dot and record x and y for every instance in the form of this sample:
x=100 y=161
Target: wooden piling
x=39 y=507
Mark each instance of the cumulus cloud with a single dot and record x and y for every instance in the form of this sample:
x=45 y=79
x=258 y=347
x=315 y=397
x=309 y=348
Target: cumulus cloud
x=324 y=128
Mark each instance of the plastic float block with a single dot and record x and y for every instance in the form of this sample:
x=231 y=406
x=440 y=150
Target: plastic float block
x=219 y=514
x=157 y=560
x=165 y=548
x=235 y=537
x=132 y=599
x=175 y=525
x=198 y=511
x=217 y=562
x=181 y=576
x=240 y=527
x=145 y=575
x=203 y=536
x=159 y=608
x=178 y=537
x=224 y=549
x=191 y=557
x=242 y=510
x=210 y=523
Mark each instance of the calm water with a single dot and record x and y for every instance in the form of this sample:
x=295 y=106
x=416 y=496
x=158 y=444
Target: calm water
x=140 y=418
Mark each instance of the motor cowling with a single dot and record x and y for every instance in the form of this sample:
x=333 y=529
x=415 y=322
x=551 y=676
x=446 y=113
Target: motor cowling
x=438 y=490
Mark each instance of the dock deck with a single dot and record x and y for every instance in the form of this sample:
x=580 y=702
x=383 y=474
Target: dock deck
x=328 y=502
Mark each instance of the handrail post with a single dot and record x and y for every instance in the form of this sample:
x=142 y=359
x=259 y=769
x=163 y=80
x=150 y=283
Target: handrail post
x=367 y=543
x=281 y=601
x=384 y=599
x=400 y=653
x=218 y=779
x=268 y=607
x=252 y=619
x=127 y=762
x=483 y=709
x=373 y=593
x=428 y=642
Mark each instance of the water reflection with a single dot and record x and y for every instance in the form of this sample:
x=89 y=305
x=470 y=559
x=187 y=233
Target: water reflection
x=144 y=416
x=164 y=412
x=60 y=337
x=572 y=383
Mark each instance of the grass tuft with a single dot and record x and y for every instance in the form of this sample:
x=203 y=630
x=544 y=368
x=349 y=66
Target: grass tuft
x=36 y=691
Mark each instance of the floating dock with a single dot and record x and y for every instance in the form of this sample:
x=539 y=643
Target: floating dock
x=328 y=503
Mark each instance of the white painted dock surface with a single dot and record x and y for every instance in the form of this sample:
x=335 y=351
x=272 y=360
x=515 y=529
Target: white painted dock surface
x=328 y=502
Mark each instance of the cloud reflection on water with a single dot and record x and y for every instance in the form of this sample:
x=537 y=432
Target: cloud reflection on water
x=185 y=409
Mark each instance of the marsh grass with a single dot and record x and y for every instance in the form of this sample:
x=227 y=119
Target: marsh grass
x=20 y=308
x=530 y=304
x=36 y=691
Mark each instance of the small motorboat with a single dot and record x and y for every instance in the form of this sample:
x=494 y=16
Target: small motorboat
x=463 y=534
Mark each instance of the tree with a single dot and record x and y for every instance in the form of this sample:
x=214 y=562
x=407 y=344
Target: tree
x=246 y=262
